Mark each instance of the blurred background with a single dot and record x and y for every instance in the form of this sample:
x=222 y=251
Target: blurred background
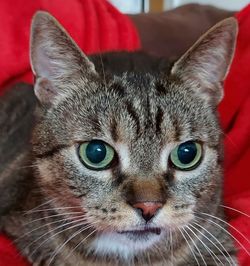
x=137 y=6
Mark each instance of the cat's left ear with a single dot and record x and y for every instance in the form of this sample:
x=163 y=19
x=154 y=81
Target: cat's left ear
x=207 y=62
x=56 y=60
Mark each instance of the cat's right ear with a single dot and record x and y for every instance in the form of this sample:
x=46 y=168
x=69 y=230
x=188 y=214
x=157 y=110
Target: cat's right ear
x=56 y=60
x=207 y=62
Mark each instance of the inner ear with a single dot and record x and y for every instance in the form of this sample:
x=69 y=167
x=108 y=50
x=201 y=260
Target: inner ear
x=207 y=62
x=46 y=93
x=56 y=60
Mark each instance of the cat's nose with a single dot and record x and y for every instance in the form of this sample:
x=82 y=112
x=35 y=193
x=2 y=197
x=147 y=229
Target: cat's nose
x=148 y=209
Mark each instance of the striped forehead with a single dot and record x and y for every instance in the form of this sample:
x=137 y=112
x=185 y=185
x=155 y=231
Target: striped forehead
x=140 y=132
x=143 y=118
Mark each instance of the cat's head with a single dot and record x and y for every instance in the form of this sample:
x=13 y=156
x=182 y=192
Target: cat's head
x=137 y=156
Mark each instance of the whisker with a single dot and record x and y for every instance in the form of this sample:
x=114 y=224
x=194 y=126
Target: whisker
x=189 y=247
x=229 y=139
x=52 y=216
x=103 y=71
x=54 y=229
x=213 y=255
x=27 y=166
x=233 y=209
x=44 y=225
x=47 y=202
x=161 y=254
x=80 y=224
x=228 y=224
x=211 y=221
x=171 y=247
x=81 y=243
x=67 y=241
x=149 y=259
x=196 y=247
x=224 y=249
x=53 y=209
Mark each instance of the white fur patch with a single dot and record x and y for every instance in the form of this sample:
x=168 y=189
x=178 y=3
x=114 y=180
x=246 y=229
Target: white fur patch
x=164 y=156
x=124 y=155
x=120 y=245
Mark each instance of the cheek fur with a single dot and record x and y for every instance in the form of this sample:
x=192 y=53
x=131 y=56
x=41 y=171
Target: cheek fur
x=55 y=184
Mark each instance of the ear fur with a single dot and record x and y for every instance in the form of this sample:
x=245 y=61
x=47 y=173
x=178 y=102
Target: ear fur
x=55 y=58
x=207 y=62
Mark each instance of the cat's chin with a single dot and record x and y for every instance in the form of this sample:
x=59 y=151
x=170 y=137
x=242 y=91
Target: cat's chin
x=126 y=244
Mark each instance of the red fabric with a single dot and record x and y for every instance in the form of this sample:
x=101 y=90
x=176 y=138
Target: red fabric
x=94 y=24
x=9 y=255
x=235 y=118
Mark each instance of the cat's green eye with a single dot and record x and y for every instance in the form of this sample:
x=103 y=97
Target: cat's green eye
x=96 y=154
x=187 y=155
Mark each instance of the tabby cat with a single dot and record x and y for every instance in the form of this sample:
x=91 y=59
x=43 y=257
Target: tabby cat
x=113 y=165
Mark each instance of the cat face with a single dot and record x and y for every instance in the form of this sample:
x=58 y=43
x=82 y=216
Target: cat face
x=137 y=157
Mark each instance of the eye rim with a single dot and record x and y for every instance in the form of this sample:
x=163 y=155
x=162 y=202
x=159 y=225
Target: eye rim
x=108 y=166
x=192 y=167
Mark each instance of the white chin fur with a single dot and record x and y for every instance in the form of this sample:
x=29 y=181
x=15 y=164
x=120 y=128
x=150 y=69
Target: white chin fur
x=122 y=246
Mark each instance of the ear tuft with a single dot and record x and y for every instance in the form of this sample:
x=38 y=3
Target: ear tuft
x=207 y=62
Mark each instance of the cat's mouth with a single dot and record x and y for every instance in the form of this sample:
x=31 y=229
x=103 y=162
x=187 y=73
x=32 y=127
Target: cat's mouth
x=142 y=232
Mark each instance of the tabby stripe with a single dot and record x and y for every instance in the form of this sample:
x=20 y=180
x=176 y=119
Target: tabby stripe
x=118 y=89
x=134 y=116
x=148 y=120
x=80 y=195
x=177 y=128
x=113 y=130
x=160 y=89
x=95 y=123
x=50 y=152
x=170 y=176
x=158 y=120
x=118 y=177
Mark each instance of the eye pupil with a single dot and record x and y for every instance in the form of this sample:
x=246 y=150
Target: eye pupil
x=187 y=152
x=96 y=151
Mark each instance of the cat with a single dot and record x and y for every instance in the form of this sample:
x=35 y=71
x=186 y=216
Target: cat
x=115 y=162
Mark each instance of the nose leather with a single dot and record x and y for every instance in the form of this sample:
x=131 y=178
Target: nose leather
x=148 y=209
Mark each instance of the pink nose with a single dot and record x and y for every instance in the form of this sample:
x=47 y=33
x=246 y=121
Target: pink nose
x=148 y=209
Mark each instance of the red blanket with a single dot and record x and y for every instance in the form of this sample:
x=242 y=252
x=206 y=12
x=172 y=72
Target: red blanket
x=97 y=26
x=235 y=118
